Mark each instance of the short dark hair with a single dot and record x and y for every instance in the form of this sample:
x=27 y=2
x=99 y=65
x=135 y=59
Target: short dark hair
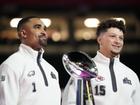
x=104 y=25
x=23 y=21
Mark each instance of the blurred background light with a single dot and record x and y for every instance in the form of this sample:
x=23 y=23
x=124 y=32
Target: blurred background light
x=91 y=22
x=56 y=36
x=14 y=22
x=46 y=21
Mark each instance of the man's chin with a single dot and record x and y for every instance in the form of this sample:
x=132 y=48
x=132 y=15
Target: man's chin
x=43 y=43
x=115 y=53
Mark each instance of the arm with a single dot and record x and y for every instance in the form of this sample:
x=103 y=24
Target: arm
x=9 y=88
x=136 y=95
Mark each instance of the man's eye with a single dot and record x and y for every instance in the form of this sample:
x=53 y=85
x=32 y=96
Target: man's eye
x=112 y=35
x=121 y=38
x=38 y=27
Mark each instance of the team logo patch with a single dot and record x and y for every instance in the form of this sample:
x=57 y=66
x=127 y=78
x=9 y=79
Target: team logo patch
x=2 y=78
x=31 y=73
x=53 y=75
x=127 y=81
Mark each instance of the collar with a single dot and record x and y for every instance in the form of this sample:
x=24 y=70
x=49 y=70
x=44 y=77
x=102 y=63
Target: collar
x=29 y=51
x=101 y=58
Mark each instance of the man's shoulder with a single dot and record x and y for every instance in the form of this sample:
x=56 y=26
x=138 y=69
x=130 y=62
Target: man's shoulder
x=15 y=56
x=125 y=66
x=14 y=59
x=127 y=69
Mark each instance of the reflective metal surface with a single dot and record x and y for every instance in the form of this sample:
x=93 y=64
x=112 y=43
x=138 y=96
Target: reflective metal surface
x=79 y=65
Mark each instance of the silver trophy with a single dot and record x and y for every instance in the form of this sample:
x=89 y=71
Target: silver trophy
x=80 y=66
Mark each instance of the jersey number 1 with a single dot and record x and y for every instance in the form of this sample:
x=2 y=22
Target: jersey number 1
x=34 y=87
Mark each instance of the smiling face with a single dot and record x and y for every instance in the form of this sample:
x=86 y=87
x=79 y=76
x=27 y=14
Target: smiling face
x=33 y=33
x=111 y=42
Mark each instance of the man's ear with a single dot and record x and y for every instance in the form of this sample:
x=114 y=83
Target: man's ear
x=99 y=39
x=23 y=34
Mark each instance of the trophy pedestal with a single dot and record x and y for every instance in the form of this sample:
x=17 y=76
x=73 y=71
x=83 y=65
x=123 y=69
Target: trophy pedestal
x=84 y=94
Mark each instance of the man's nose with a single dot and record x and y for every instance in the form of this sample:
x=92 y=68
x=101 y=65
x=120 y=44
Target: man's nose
x=44 y=32
x=118 y=40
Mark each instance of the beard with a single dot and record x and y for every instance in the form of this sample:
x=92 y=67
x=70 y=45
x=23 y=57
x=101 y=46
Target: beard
x=115 y=53
x=43 y=41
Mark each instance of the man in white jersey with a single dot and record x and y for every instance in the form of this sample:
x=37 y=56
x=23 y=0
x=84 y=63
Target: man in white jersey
x=119 y=84
x=25 y=77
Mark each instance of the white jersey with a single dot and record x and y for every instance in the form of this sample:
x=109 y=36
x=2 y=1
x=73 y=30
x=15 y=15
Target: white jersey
x=126 y=90
x=22 y=82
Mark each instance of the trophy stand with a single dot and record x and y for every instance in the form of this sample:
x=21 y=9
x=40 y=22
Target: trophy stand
x=84 y=94
x=80 y=66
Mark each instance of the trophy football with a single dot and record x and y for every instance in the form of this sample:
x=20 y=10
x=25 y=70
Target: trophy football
x=80 y=66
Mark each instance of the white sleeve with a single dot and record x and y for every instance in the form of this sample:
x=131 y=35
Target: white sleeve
x=69 y=93
x=9 y=88
x=136 y=95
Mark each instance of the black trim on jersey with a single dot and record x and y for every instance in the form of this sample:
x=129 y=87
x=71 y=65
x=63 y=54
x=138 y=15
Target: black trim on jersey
x=113 y=78
x=41 y=69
